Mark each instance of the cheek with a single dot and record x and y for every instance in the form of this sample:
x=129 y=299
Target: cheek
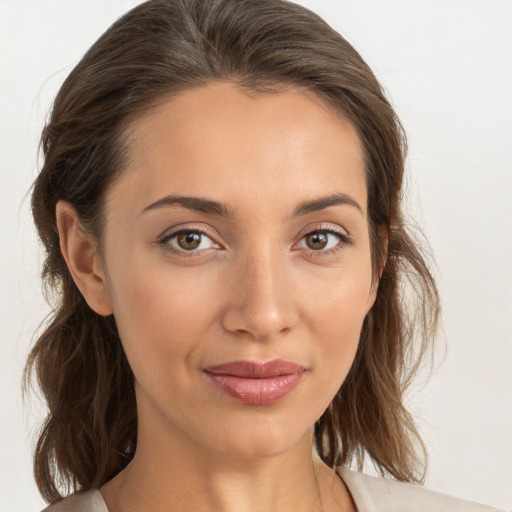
x=341 y=320
x=162 y=315
x=336 y=317
x=334 y=339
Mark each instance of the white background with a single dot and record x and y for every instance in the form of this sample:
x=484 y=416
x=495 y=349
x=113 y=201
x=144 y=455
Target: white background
x=447 y=65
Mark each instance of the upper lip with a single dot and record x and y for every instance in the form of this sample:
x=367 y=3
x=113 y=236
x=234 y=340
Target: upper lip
x=255 y=369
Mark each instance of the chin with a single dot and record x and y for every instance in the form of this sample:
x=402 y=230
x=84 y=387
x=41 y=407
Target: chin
x=258 y=442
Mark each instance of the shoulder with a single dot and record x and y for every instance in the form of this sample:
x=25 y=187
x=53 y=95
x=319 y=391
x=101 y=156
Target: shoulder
x=90 y=501
x=374 y=494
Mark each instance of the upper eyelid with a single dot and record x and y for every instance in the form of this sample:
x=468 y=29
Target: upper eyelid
x=341 y=234
x=169 y=233
x=325 y=226
x=164 y=239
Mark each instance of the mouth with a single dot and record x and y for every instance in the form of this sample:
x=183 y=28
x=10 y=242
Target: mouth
x=255 y=383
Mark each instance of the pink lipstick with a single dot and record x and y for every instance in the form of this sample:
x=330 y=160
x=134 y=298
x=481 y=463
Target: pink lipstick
x=256 y=383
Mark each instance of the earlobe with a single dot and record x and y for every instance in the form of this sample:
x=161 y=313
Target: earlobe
x=80 y=252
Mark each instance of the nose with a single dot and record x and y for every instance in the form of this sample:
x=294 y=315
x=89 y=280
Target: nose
x=263 y=302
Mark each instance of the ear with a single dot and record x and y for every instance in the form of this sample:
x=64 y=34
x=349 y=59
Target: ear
x=80 y=252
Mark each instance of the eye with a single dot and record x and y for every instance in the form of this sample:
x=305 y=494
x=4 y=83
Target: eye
x=187 y=240
x=324 y=240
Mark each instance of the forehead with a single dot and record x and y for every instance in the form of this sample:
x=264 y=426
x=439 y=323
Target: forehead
x=220 y=141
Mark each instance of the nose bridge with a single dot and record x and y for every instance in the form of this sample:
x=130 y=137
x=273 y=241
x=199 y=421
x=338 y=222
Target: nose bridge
x=263 y=300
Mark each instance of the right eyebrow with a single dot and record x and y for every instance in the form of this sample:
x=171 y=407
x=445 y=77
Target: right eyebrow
x=192 y=203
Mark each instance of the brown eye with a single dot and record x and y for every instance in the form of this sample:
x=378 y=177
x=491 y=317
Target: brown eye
x=189 y=240
x=316 y=240
x=324 y=241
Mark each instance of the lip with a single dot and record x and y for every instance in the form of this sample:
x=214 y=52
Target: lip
x=256 y=383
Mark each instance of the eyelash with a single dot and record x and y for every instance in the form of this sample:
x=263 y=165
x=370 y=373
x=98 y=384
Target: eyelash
x=343 y=241
x=164 y=242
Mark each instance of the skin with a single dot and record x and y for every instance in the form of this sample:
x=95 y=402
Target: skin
x=253 y=290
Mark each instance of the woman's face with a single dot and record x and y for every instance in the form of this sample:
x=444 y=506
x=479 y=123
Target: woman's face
x=239 y=234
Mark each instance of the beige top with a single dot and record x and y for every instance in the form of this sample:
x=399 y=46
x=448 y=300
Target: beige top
x=370 y=494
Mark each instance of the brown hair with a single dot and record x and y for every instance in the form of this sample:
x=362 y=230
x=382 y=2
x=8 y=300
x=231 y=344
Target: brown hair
x=160 y=48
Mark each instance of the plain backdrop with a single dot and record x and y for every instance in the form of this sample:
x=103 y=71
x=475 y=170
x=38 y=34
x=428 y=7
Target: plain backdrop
x=447 y=66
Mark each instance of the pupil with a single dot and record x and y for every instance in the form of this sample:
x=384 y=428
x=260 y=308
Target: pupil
x=189 y=241
x=317 y=241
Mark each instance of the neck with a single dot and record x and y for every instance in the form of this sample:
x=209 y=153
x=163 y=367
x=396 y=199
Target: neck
x=171 y=471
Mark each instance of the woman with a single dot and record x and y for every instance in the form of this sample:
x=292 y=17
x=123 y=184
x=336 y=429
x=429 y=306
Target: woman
x=219 y=202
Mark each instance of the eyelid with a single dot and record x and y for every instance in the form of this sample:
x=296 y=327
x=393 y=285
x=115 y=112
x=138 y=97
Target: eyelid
x=200 y=228
x=187 y=228
x=344 y=237
x=325 y=226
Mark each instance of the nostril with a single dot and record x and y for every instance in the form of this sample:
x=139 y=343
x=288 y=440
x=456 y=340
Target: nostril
x=258 y=325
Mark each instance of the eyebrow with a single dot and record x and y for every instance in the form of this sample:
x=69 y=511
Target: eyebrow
x=321 y=203
x=224 y=210
x=192 y=203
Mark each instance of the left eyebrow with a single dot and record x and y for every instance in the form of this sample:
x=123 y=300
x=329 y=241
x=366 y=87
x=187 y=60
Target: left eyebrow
x=315 y=205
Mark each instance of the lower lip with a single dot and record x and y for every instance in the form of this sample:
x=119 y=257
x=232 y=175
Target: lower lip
x=256 y=391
